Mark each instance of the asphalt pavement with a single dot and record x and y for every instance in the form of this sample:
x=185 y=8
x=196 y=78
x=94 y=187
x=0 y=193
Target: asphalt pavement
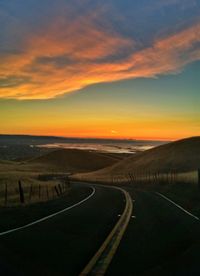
x=162 y=240
x=62 y=244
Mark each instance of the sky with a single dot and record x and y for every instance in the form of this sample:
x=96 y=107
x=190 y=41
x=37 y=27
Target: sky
x=109 y=68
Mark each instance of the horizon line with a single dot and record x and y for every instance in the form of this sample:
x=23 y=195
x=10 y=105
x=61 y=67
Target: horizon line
x=95 y=137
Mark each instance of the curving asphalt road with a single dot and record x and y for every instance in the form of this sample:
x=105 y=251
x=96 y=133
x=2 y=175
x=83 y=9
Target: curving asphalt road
x=161 y=238
x=64 y=243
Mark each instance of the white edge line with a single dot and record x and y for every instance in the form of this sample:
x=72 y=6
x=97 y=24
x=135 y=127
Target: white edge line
x=50 y=216
x=187 y=212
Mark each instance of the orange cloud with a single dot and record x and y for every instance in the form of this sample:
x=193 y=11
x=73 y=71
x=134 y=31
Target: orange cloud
x=66 y=57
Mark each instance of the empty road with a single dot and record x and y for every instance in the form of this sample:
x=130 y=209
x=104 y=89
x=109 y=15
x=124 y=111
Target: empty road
x=161 y=238
x=64 y=243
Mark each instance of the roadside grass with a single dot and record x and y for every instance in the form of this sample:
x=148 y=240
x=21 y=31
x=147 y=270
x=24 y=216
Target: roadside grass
x=34 y=190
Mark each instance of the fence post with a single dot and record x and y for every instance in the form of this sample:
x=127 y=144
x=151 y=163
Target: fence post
x=30 y=193
x=21 y=192
x=39 y=190
x=132 y=180
x=56 y=189
x=53 y=191
x=47 y=190
x=6 y=194
x=60 y=189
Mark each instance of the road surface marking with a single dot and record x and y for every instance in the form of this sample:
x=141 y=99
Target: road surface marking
x=103 y=257
x=49 y=216
x=185 y=211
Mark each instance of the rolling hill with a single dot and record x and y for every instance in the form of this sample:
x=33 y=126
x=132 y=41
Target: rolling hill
x=180 y=156
x=73 y=160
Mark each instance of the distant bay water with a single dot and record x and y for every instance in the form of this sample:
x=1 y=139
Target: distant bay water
x=123 y=146
x=20 y=147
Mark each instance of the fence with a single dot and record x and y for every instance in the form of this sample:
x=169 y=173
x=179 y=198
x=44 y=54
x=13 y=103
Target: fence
x=192 y=177
x=27 y=191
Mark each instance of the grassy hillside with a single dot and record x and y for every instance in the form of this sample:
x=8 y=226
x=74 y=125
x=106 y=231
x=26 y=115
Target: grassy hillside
x=178 y=156
x=74 y=160
x=5 y=162
x=58 y=161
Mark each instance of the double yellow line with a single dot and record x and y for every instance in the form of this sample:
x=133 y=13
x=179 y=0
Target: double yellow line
x=103 y=257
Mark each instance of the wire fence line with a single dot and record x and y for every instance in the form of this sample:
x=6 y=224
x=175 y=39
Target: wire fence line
x=142 y=177
x=165 y=178
x=192 y=177
x=26 y=191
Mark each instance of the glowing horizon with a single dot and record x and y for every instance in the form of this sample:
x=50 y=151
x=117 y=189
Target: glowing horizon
x=97 y=137
x=112 y=69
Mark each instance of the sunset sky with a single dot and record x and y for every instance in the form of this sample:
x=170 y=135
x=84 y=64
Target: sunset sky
x=100 y=68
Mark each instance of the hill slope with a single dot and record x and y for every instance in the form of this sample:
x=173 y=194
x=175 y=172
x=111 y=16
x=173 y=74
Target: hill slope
x=74 y=160
x=180 y=156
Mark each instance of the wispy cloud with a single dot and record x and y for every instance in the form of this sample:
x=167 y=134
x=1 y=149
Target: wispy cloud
x=69 y=55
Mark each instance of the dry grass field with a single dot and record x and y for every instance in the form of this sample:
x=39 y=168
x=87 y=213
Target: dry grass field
x=33 y=190
x=71 y=160
x=176 y=162
x=178 y=157
x=62 y=161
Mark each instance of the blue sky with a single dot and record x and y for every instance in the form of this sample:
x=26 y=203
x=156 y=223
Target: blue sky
x=90 y=66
